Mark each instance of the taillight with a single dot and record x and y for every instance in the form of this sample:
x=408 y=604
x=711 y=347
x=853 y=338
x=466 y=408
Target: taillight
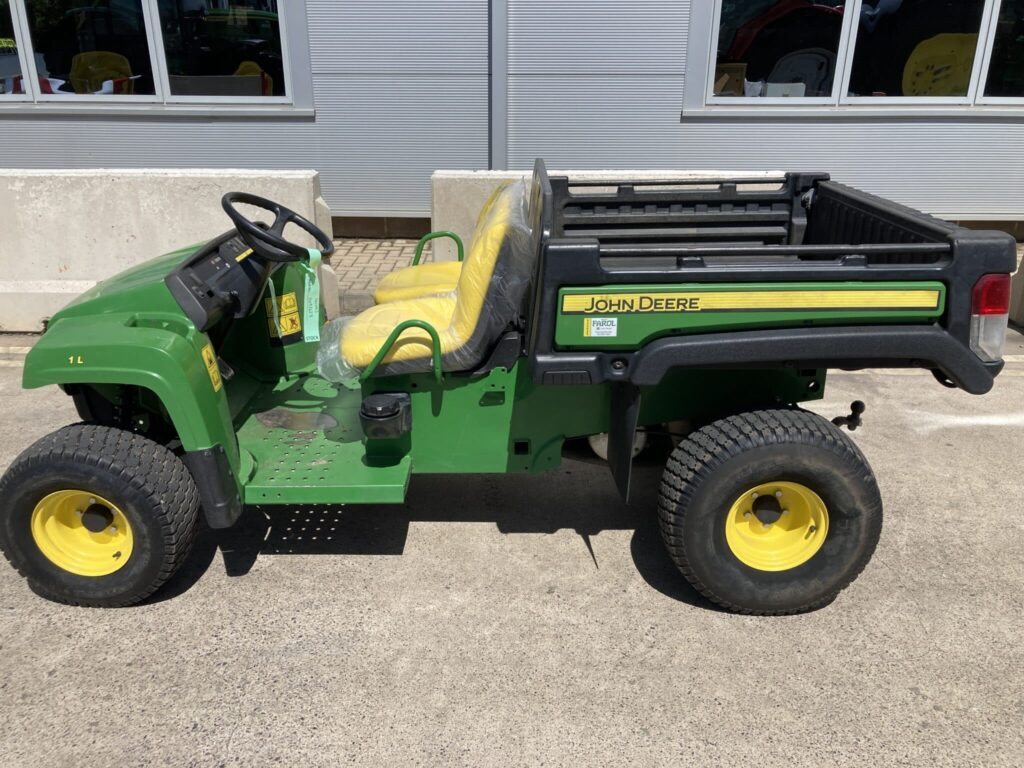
x=990 y=316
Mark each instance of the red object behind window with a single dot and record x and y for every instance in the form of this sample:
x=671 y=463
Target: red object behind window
x=991 y=296
x=44 y=85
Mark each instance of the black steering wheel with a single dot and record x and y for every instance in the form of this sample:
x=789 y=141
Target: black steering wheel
x=269 y=242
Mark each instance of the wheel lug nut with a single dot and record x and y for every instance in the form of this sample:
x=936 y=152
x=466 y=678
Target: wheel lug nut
x=778 y=494
x=92 y=500
x=113 y=529
x=79 y=512
x=747 y=514
x=812 y=529
x=754 y=494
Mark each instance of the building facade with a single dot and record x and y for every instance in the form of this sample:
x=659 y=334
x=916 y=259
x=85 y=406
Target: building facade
x=918 y=100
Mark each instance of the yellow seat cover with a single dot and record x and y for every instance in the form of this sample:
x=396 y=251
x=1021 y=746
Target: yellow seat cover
x=454 y=315
x=421 y=280
x=428 y=279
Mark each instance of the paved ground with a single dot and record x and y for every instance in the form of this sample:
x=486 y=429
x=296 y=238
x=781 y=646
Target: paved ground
x=359 y=264
x=472 y=626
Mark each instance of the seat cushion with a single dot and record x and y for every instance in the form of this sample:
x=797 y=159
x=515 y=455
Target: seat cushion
x=415 y=282
x=366 y=333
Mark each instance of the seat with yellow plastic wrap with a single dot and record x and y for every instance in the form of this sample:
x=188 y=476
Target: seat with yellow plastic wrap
x=450 y=331
x=429 y=279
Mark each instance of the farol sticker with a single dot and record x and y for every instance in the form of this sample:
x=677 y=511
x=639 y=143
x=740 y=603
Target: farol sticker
x=601 y=327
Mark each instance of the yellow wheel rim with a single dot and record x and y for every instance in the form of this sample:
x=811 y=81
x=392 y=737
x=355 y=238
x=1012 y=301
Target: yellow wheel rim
x=82 y=533
x=776 y=526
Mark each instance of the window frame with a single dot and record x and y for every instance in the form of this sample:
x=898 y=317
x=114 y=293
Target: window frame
x=990 y=45
x=702 y=60
x=298 y=89
x=23 y=57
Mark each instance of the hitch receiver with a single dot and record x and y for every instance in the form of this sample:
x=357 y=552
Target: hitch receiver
x=852 y=421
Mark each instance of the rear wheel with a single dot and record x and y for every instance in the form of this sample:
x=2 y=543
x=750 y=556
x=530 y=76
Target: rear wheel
x=97 y=516
x=770 y=512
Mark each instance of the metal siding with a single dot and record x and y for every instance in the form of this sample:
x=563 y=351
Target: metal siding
x=600 y=85
x=400 y=88
x=587 y=37
x=398 y=36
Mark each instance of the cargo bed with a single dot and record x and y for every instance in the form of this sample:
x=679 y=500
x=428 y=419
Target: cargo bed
x=801 y=230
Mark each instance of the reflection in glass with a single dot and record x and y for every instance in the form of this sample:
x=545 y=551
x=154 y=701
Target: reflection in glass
x=90 y=49
x=10 y=66
x=1006 y=72
x=218 y=49
x=778 y=48
x=915 y=47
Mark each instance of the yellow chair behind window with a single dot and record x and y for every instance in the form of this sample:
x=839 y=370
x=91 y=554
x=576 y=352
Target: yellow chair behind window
x=941 y=66
x=91 y=69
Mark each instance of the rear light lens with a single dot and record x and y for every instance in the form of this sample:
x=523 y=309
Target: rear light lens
x=990 y=317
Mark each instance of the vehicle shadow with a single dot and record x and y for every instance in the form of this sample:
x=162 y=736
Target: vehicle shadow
x=580 y=497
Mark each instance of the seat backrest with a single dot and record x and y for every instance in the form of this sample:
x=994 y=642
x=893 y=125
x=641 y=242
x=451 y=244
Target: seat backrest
x=496 y=271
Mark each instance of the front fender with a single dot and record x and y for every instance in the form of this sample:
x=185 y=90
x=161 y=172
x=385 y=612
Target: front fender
x=163 y=354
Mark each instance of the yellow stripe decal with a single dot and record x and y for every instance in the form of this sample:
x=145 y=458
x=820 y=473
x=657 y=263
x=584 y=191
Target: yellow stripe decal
x=725 y=301
x=243 y=255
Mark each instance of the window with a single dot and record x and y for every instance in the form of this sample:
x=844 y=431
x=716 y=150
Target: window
x=1006 y=68
x=779 y=49
x=171 y=51
x=10 y=63
x=915 y=48
x=211 y=51
x=89 y=50
x=829 y=53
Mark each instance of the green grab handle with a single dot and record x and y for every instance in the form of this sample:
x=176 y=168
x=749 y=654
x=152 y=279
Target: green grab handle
x=399 y=329
x=434 y=236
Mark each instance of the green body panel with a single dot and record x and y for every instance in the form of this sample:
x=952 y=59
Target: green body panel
x=629 y=322
x=162 y=354
x=505 y=422
x=129 y=330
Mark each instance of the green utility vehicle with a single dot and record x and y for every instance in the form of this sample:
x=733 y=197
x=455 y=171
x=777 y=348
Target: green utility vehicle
x=710 y=310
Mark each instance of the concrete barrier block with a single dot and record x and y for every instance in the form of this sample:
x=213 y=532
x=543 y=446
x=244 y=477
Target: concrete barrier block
x=457 y=196
x=65 y=230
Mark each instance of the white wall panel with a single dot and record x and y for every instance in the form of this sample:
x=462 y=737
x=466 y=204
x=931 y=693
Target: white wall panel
x=389 y=36
x=587 y=37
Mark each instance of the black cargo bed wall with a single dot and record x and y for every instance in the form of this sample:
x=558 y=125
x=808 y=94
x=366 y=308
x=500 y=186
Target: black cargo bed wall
x=841 y=215
x=685 y=212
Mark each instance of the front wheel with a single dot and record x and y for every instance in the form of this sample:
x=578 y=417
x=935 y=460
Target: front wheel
x=770 y=512
x=97 y=516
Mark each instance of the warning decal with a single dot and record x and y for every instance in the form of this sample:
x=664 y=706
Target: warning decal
x=210 y=359
x=288 y=319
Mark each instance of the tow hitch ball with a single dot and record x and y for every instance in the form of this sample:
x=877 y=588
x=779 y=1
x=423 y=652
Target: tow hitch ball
x=852 y=421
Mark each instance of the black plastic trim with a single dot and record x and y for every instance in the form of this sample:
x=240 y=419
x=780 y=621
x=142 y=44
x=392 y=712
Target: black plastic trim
x=218 y=492
x=846 y=348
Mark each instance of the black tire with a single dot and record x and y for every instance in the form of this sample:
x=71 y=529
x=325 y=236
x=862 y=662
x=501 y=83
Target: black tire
x=150 y=485
x=716 y=465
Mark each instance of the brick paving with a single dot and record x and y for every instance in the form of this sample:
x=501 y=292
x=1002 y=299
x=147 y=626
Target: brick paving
x=359 y=264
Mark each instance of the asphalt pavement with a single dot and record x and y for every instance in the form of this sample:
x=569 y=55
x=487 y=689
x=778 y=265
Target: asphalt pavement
x=538 y=621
